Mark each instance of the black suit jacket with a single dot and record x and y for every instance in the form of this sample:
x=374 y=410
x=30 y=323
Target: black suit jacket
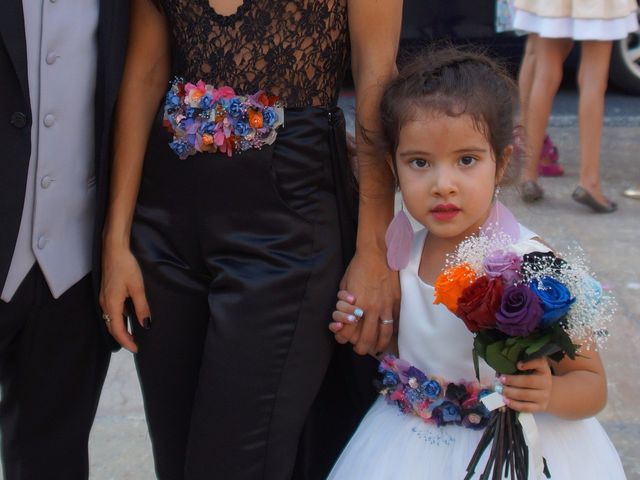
x=16 y=118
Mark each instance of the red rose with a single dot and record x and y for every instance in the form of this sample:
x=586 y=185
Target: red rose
x=479 y=303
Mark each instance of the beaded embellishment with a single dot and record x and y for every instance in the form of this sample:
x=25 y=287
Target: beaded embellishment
x=203 y=118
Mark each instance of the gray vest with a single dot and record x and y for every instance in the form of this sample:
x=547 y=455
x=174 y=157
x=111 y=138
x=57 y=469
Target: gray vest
x=57 y=218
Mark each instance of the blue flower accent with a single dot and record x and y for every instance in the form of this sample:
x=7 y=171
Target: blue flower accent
x=432 y=389
x=190 y=112
x=417 y=374
x=172 y=99
x=207 y=127
x=555 y=299
x=390 y=379
x=235 y=108
x=269 y=116
x=206 y=101
x=241 y=128
x=450 y=412
x=180 y=148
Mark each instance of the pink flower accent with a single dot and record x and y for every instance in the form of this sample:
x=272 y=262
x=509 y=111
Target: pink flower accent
x=226 y=92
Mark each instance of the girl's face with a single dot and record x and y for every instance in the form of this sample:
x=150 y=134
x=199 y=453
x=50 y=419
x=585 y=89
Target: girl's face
x=447 y=174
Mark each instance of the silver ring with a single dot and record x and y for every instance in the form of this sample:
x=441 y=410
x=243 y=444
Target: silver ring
x=498 y=388
x=106 y=317
x=386 y=322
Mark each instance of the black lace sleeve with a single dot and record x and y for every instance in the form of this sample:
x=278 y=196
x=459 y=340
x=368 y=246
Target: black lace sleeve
x=296 y=49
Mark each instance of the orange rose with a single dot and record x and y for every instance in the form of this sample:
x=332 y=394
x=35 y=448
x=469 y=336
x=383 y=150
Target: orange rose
x=207 y=139
x=255 y=119
x=264 y=99
x=450 y=284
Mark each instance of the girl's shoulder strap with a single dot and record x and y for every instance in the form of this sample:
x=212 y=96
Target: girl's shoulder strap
x=416 y=249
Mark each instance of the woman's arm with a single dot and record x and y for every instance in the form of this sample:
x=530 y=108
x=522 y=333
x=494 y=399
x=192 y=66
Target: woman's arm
x=144 y=82
x=374 y=27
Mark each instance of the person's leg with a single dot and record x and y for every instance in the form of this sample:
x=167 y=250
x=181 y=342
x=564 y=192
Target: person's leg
x=526 y=74
x=592 y=82
x=273 y=250
x=53 y=361
x=163 y=240
x=550 y=56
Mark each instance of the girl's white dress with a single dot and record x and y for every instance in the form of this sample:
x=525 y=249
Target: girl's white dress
x=389 y=445
x=577 y=19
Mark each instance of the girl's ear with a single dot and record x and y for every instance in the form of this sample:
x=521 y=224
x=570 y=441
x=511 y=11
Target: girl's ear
x=504 y=163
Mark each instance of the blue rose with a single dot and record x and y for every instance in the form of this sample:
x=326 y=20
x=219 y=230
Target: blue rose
x=235 y=108
x=190 y=112
x=390 y=379
x=181 y=148
x=446 y=412
x=555 y=299
x=172 y=99
x=241 y=128
x=207 y=127
x=206 y=101
x=269 y=116
x=450 y=412
x=432 y=389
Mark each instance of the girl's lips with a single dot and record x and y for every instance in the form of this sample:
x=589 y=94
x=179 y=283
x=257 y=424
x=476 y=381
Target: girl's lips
x=445 y=212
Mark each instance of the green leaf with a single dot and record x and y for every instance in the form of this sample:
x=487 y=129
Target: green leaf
x=497 y=360
x=513 y=353
x=538 y=344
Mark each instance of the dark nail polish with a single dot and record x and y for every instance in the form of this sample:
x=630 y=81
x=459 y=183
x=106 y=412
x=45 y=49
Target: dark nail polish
x=146 y=323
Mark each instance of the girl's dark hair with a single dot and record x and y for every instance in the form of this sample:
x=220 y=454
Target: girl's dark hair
x=452 y=81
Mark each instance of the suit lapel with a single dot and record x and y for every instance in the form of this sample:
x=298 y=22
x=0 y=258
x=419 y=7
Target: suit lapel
x=12 y=34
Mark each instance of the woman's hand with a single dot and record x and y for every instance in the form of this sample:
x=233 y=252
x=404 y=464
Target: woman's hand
x=531 y=392
x=375 y=289
x=121 y=279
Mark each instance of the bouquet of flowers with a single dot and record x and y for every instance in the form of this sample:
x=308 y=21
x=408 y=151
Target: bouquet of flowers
x=203 y=118
x=521 y=301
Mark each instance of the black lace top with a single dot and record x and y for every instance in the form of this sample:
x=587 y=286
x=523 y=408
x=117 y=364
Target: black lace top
x=296 y=49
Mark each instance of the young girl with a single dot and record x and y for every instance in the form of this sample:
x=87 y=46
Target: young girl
x=448 y=124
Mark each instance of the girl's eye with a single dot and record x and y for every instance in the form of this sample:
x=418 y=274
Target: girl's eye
x=467 y=161
x=419 y=163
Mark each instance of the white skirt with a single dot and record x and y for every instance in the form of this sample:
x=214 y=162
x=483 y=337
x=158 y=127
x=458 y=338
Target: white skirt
x=576 y=28
x=389 y=445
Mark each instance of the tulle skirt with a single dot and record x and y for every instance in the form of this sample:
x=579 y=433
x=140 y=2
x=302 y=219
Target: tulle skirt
x=576 y=28
x=389 y=445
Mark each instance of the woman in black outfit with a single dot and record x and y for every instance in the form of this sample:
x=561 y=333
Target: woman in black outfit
x=232 y=262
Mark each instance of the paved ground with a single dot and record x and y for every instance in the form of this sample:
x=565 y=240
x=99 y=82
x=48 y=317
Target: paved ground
x=120 y=448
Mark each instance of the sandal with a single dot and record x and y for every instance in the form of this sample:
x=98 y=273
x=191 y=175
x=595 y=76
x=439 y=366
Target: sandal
x=581 y=195
x=550 y=170
x=531 y=191
x=549 y=153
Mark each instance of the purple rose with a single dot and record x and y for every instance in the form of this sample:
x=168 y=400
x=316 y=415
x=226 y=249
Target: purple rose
x=503 y=264
x=520 y=311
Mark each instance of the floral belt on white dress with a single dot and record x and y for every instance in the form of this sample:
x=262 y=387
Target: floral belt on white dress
x=431 y=398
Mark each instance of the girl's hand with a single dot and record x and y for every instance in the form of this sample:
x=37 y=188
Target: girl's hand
x=346 y=311
x=531 y=392
x=376 y=290
x=121 y=278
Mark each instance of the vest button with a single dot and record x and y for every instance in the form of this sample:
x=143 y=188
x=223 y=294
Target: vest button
x=46 y=181
x=49 y=120
x=18 y=119
x=51 y=58
x=42 y=242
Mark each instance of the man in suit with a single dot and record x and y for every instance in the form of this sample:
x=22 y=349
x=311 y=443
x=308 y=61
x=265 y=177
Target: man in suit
x=60 y=66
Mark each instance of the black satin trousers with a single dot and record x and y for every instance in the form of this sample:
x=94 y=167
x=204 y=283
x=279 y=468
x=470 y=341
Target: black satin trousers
x=241 y=258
